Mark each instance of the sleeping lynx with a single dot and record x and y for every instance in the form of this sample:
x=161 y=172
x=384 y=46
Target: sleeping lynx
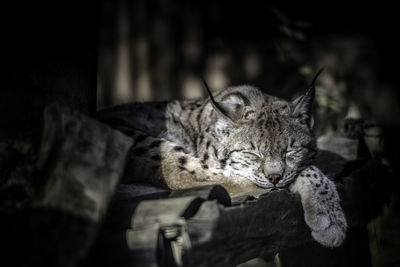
x=241 y=139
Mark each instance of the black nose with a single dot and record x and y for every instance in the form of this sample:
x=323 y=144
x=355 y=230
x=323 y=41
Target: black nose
x=274 y=178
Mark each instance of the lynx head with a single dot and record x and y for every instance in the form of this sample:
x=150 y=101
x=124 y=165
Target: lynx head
x=263 y=138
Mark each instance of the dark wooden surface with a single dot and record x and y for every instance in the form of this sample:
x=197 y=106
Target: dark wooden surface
x=224 y=236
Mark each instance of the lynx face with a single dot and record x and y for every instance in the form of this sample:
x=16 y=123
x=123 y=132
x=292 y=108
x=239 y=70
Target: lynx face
x=263 y=138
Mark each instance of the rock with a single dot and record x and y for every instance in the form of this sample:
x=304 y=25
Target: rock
x=83 y=161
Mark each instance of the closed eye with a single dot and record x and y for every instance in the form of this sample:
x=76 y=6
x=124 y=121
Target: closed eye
x=253 y=154
x=301 y=148
x=292 y=152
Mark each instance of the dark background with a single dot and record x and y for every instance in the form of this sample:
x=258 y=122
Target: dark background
x=90 y=55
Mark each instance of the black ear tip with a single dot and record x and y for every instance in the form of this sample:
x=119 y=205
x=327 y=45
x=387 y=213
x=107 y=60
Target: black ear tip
x=208 y=89
x=204 y=82
x=316 y=76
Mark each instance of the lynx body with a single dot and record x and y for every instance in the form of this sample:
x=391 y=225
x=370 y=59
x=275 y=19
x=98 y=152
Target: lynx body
x=240 y=138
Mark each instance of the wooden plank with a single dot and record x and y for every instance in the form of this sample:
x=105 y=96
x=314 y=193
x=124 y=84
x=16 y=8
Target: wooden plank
x=225 y=236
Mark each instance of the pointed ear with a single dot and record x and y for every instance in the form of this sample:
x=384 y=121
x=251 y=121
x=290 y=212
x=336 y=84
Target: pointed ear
x=303 y=105
x=230 y=110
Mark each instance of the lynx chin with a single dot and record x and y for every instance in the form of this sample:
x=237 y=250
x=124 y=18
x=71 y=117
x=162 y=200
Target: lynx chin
x=239 y=138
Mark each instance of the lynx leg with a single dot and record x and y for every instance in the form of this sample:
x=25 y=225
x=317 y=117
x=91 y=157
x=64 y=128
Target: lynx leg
x=321 y=204
x=164 y=163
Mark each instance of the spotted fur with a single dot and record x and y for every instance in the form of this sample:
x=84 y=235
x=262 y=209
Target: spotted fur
x=242 y=139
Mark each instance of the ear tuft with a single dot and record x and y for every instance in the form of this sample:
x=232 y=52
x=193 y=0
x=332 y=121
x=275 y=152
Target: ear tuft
x=304 y=104
x=303 y=107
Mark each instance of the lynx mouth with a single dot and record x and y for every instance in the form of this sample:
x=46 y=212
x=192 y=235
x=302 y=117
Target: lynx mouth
x=267 y=185
x=270 y=186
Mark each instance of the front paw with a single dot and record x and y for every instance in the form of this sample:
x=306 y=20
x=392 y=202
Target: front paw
x=321 y=204
x=317 y=222
x=332 y=236
x=328 y=226
x=326 y=229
